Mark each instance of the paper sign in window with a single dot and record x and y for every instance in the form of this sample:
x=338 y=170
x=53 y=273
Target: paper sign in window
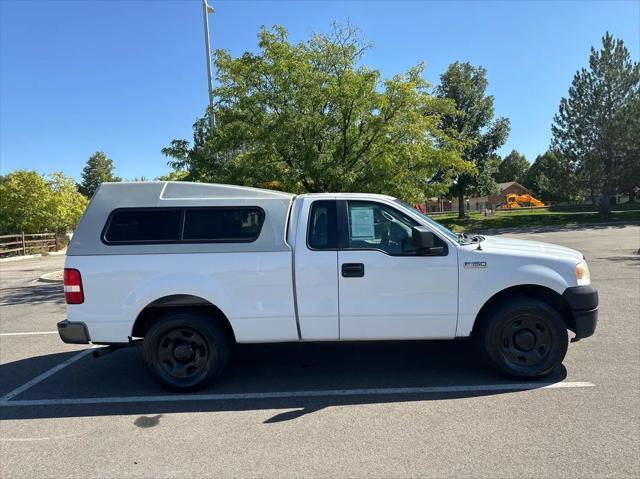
x=362 y=227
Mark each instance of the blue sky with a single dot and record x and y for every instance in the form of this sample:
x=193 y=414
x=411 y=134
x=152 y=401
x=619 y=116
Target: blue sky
x=127 y=77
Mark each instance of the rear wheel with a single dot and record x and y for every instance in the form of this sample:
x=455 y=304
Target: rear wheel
x=185 y=350
x=524 y=338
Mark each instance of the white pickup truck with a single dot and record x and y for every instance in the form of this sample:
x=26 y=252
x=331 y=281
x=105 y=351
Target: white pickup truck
x=194 y=268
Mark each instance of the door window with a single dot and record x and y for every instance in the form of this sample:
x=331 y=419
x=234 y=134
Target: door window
x=379 y=227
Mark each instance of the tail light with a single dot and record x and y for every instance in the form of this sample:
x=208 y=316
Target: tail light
x=73 y=286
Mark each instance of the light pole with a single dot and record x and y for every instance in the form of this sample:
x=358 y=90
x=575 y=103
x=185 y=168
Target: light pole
x=206 y=9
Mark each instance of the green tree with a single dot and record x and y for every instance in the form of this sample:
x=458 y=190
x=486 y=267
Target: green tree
x=66 y=203
x=628 y=148
x=513 y=167
x=175 y=175
x=98 y=169
x=597 y=122
x=474 y=126
x=551 y=177
x=24 y=200
x=31 y=203
x=311 y=117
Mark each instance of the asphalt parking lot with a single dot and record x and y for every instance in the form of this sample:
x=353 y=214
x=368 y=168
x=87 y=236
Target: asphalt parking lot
x=401 y=409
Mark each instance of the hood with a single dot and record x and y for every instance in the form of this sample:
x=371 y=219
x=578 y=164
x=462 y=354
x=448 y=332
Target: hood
x=495 y=244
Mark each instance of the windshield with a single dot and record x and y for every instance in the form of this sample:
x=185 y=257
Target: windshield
x=435 y=224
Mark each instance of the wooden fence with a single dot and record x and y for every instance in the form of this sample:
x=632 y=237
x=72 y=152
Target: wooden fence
x=495 y=211
x=21 y=243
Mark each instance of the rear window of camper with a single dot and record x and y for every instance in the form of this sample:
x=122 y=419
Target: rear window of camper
x=183 y=225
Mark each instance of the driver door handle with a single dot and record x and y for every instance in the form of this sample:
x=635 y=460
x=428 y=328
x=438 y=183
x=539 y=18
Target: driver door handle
x=352 y=270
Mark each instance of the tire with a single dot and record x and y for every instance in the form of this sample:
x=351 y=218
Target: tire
x=185 y=350
x=523 y=338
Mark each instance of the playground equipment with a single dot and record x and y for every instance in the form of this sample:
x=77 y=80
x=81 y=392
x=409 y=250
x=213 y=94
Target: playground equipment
x=520 y=201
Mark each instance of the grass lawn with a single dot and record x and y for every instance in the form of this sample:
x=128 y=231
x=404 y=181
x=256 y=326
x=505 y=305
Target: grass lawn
x=533 y=218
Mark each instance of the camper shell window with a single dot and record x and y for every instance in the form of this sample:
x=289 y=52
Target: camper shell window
x=237 y=224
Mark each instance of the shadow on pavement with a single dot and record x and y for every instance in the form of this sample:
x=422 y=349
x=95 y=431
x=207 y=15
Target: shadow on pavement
x=36 y=293
x=267 y=368
x=13 y=375
x=623 y=259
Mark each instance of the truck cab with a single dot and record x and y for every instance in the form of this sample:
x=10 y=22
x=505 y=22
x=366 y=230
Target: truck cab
x=191 y=269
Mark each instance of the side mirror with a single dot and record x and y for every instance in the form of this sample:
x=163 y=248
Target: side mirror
x=423 y=240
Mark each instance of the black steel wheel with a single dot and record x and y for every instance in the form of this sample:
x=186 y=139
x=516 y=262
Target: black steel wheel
x=526 y=340
x=524 y=337
x=183 y=353
x=185 y=350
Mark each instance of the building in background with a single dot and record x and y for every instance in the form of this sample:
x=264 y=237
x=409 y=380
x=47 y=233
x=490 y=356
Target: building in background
x=492 y=202
x=436 y=205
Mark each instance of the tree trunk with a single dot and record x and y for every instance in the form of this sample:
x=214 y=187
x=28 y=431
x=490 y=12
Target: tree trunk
x=632 y=195
x=605 y=205
x=462 y=212
x=607 y=185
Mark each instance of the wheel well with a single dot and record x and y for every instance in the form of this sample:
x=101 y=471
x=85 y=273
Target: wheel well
x=541 y=293
x=153 y=313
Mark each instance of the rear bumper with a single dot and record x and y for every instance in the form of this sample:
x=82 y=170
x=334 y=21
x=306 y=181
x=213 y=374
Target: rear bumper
x=583 y=304
x=73 y=332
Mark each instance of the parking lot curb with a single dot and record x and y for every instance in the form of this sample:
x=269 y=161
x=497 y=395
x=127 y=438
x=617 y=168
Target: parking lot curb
x=54 y=277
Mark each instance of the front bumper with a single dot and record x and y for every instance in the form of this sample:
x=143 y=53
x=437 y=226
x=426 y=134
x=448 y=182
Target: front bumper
x=73 y=332
x=583 y=305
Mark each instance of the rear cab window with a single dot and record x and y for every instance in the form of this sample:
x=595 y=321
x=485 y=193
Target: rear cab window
x=322 y=232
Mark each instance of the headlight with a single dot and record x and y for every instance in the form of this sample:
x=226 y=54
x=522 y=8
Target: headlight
x=582 y=273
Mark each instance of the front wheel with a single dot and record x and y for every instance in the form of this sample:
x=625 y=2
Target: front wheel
x=185 y=350
x=524 y=338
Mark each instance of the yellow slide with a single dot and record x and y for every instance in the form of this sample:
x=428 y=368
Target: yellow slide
x=519 y=201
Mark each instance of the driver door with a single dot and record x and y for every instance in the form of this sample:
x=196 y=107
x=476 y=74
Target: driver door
x=386 y=289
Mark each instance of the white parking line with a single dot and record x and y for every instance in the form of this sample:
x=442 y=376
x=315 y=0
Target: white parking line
x=45 y=375
x=31 y=439
x=297 y=394
x=29 y=333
